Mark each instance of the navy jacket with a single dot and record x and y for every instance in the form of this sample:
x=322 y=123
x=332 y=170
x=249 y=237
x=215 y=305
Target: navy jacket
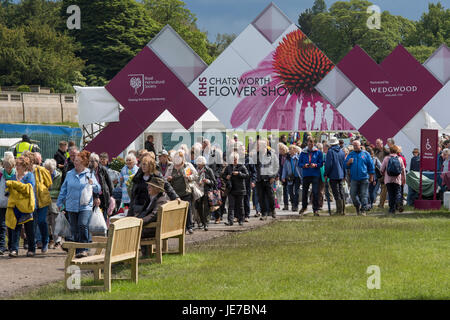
x=334 y=163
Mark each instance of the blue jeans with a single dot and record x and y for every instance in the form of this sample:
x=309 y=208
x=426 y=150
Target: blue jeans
x=79 y=226
x=294 y=190
x=359 y=191
x=29 y=231
x=41 y=226
x=373 y=191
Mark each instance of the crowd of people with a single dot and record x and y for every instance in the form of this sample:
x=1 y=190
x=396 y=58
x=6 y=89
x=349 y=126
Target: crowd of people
x=264 y=173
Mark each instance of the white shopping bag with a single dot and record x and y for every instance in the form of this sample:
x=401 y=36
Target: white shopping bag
x=97 y=224
x=62 y=226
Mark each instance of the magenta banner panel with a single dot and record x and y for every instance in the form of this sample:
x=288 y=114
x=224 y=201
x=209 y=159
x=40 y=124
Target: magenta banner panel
x=400 y=87
x=145 y=88
x=428 y=149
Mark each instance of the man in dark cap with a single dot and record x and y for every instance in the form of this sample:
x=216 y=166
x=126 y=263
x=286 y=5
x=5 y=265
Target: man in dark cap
x=24 y=145
x=149 y=213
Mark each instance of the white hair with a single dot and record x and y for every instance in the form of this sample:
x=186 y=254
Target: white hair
x=94 y=157
x=132 y=157
x=50 y=165
x=200 y=160
x=9 y=160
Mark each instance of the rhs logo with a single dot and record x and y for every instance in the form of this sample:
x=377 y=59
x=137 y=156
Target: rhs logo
x=137 y=82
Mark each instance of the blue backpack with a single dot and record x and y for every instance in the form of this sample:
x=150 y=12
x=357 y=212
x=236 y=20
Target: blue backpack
x=394 y=168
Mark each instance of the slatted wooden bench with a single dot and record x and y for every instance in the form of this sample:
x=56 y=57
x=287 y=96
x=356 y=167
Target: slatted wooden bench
x=122 y=244
x=170 y=223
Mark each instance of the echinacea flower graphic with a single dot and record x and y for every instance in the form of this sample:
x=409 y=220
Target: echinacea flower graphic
x=296 y=65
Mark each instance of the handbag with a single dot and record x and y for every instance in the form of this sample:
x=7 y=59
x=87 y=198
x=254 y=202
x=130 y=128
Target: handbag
x=214 y=198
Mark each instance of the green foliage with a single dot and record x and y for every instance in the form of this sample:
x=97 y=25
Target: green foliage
x=421 y=53
x=221 y=43
x=117 y=164
x=33 y=11
x=183 y=21
x=433 y=29
x=345 y=25
x=306 y=17
x=37 y=54
x=24 y=88
x=37 y=48
x=112 y=33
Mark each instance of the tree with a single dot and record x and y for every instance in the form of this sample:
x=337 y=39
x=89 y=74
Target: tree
x=183 y=21
x=344 y=26
x=32 y=11
x=306 y=17
x=112 y=33
x=37 y=54
x=433 y=29
x=421 y=53
x=222 y=42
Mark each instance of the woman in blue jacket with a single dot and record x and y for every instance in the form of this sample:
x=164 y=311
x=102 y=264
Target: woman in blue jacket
x=70 y=196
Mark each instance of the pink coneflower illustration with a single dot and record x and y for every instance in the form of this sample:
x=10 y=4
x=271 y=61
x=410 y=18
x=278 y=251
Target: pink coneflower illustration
x=294 y=68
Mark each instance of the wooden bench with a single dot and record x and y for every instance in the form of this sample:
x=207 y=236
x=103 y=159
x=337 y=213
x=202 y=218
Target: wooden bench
x=122 y=244
x=170 y=223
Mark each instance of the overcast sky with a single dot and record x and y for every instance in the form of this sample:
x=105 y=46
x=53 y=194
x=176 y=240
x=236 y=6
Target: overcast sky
x=232 y=16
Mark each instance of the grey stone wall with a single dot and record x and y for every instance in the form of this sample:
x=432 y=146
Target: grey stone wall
x=16 y=107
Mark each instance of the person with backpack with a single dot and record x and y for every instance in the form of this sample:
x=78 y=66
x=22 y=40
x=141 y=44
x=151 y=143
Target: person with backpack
x=362 y=171
x=393 y=170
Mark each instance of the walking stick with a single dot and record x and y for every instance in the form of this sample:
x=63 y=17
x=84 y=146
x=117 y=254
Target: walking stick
x=327 y=195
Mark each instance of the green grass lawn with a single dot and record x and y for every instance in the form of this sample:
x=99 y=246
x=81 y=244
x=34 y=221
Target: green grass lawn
x=317 y=258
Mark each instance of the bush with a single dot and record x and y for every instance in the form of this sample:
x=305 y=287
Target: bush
x=117 y=164
x=24 y=88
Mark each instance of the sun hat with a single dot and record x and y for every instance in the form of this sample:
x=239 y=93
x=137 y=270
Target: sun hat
x=333 y=141
x=157 y=183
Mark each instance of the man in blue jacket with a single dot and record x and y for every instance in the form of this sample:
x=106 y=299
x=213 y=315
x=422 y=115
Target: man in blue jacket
x=291 y=176
x=311 y=160
x=335 y=171
x=362 y=170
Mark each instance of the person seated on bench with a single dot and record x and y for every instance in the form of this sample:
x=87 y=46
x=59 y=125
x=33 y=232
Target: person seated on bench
x=149 y=212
